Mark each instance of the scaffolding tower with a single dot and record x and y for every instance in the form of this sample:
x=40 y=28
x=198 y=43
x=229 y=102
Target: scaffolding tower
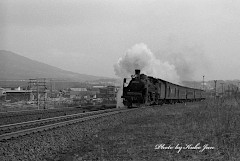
x=39 y=87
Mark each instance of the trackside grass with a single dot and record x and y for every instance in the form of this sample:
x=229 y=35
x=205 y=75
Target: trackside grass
x=208 y=130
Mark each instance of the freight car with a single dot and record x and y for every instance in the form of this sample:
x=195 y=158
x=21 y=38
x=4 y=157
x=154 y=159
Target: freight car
x=146 y=90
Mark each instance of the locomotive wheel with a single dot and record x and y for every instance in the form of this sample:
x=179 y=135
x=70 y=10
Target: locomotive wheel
x=138 y=105
x=129 y=104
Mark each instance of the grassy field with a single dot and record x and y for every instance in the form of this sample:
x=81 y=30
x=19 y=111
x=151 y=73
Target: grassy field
x=208 y=130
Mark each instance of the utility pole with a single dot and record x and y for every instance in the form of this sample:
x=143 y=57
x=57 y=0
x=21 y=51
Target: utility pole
x=215 y=87
x=51 y=88
x=228 y=90
x=44 y=94
x=203 y=83
x=222 y=88
x=238 y=87
x=37 y=94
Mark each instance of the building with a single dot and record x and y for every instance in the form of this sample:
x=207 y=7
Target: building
x=81 y=93
x=77 y=94
x=15 y=94
x=1 y=91
x=108 y=92
x=78 y=89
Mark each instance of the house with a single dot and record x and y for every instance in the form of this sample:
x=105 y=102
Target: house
x=77 y=94
x=15 y=94
x=78 y=89
x=1 y=91
x=108 y=92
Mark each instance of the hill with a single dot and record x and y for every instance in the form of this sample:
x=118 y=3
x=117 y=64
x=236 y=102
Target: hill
x=17 y=67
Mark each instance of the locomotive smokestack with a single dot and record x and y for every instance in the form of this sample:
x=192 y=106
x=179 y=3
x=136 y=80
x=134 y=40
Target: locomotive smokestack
x=137 y=72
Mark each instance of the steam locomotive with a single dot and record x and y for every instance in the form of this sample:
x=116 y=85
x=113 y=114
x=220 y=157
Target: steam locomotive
x=147 y=90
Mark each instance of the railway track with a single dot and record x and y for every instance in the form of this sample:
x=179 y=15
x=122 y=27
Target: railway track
x=25 y=128
x=31 y=115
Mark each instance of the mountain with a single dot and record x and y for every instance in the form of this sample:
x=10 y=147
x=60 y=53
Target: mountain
x=14 y=66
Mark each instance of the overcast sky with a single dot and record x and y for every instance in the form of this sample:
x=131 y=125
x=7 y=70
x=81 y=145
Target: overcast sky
x=89 y=36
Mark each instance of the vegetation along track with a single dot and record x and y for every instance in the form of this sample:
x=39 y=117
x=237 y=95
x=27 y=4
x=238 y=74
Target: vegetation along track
x=26 y=128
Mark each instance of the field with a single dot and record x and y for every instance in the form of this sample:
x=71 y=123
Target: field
x=208 y=130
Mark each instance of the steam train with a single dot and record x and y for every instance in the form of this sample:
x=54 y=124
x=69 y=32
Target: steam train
x=147 y=90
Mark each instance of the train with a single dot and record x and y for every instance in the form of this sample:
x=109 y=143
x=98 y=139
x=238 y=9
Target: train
x=147 y=90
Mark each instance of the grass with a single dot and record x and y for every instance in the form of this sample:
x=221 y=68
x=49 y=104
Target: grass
x=212 y=122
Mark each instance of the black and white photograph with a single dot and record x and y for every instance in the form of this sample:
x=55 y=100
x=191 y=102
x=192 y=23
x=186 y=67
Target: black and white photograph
x=119 y=80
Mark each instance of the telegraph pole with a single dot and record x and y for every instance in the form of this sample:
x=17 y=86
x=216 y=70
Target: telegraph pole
x=238 y=86
x=228 y=90
x=37 y=95
x=203 y=83
x=215 y=87
x=222 y=88
x=44 y=93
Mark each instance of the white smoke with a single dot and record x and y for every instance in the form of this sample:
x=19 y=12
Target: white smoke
x=140 y=57
x=189 y=58
x=119 y=94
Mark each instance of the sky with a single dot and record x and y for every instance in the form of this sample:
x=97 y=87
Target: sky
x=197 y=37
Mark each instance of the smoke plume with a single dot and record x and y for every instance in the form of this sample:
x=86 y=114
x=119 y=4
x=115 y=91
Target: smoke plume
x=140 y=57
x=190 y=61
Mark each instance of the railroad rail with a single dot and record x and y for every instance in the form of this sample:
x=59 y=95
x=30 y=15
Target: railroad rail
x=31 y=115
x=19 y=112
x=25 y=128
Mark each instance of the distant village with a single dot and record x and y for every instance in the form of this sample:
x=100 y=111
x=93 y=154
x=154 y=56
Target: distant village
x=48 y=94
x=41 y=94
